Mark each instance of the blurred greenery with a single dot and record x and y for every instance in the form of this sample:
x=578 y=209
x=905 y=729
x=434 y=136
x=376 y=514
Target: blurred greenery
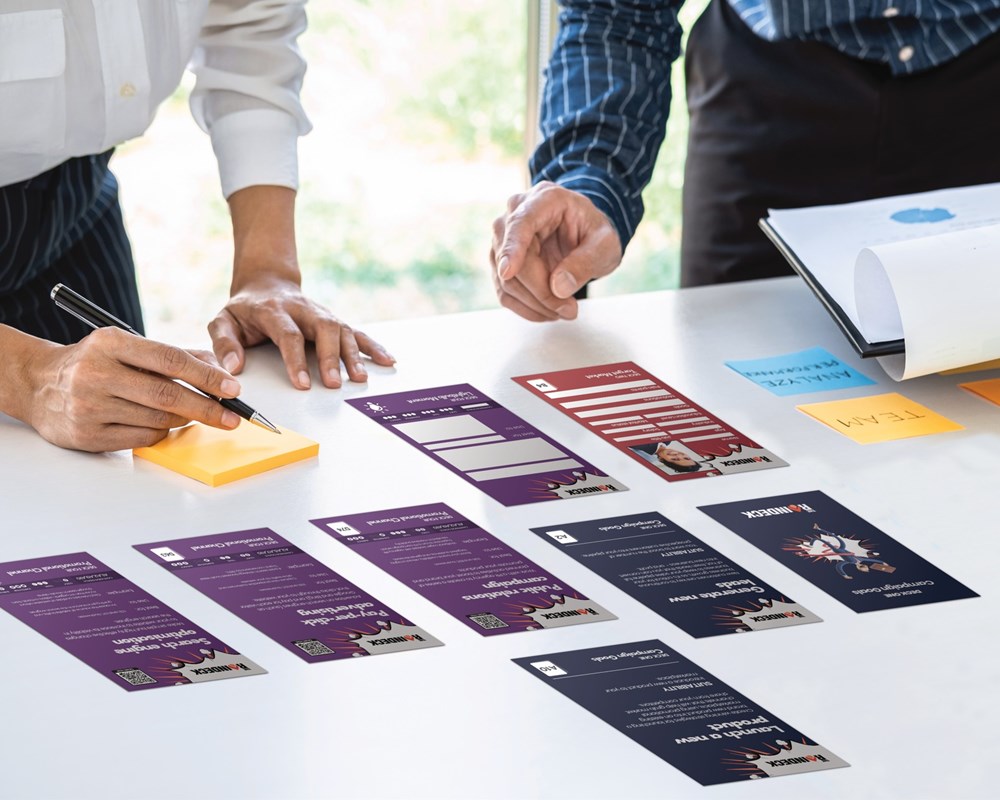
x=419 y=114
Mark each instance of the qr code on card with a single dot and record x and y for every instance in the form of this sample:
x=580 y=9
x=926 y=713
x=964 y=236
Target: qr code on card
x=488 y=621
x=313 y=647
x=134 y=676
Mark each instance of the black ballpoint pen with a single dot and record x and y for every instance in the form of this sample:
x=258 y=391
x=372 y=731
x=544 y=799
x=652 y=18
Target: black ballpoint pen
x=96 y=317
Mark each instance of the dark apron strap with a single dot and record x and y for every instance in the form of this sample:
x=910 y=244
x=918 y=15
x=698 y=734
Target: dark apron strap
x=65 y=226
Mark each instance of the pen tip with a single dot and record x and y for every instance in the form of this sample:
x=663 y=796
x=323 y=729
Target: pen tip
x=259 y=420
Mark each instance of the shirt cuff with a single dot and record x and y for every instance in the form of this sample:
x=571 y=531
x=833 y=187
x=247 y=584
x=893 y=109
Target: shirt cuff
x=599 y=188
x=256 y=148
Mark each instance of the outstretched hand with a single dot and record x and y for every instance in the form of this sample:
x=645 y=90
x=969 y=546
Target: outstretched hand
x=549 y=243
x=267 y=302
x=275 y=309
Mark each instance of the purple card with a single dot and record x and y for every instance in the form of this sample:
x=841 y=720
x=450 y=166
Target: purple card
x=486 y=444
x=114 y=626
x=288 y=595
x=465 y=570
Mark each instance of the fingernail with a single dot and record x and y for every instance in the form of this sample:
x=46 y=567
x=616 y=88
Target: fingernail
x=503 y=267
x=563 y=284
x=230 y=420
x=230 y=362
x=304 y=381
x=333 y=377
x=389 y=355
x=359 y=368
x=230 y=388
x=566 y=312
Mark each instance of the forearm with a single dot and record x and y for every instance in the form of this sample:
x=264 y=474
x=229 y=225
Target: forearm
x=18 y=384
x=263 y=235
x=606 y=103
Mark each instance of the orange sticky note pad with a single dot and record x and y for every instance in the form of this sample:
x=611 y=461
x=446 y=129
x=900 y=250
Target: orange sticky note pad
x=880 y=418
x=989 y=390
x=216 y=456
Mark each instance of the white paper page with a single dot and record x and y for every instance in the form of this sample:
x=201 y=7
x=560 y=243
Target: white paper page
x=828 y=239
x=939 y=293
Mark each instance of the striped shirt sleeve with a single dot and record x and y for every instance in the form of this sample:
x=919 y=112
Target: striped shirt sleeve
x=606 y=100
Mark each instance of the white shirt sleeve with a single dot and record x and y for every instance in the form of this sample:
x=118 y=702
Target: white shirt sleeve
x=249 y=73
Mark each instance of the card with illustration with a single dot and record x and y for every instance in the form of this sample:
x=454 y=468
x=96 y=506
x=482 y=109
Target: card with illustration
x=676 y=575
x=654 y=424
x=681 y=713
x=468 y=572
x=112 y=625
x=835 y=549
x=812 y=370
x=492 y=448
x=288 y=595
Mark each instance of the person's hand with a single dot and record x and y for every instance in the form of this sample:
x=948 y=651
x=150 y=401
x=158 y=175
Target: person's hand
x=550 y=242
x=267 y=302
x=113 y=390
x=275 y=308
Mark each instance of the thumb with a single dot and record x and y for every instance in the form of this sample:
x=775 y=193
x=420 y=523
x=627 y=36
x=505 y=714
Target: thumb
x=596 y=256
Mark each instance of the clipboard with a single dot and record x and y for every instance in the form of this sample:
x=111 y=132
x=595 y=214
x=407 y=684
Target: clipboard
x=862 y=346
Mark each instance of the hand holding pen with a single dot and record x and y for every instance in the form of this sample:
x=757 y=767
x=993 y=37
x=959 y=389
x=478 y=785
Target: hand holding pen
x=115 y=390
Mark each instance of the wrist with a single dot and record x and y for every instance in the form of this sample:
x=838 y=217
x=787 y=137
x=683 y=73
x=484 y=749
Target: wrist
x=22 y=369
x=263 y=236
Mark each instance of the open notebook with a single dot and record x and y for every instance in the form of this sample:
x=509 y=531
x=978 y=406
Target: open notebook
x=912 y=279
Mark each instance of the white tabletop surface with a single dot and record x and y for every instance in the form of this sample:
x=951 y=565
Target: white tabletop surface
x=908 y=696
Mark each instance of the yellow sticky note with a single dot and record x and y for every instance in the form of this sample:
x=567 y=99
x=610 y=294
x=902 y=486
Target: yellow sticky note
x=880 y=418
x=216 y=456
x=985 y=365
x=990 y=390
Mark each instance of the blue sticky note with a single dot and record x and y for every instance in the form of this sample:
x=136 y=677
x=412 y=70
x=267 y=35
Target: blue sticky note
x=812 y=370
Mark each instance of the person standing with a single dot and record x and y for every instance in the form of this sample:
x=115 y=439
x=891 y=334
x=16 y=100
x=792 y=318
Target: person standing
x=791 y=104
x=78 y=78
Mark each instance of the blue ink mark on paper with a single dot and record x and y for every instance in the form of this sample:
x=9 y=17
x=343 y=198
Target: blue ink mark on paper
x=912 y=216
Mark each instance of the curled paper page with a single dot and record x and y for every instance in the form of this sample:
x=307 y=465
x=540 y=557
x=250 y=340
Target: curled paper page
x=938 y=293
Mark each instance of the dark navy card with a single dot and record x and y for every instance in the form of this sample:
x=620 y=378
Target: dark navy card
x=676 y=575
x=681 y=713
x=834 y=548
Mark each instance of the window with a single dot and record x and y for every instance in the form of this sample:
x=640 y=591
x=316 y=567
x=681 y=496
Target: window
x=420 y=135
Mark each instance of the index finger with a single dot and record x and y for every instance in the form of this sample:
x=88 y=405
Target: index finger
x=176 y=364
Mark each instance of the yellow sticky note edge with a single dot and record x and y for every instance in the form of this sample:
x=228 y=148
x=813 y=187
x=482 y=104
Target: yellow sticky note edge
x=988 y=390
x=985 y=365
x=215 y=456
x=879 y=418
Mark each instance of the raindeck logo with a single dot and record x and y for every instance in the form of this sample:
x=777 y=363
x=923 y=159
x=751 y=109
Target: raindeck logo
x=735 y=462
x=784 y=762
x=410 y=637
x=573 y=613
x=604 y=487
x=794 y=508
x=769 y=617
x=221 y=668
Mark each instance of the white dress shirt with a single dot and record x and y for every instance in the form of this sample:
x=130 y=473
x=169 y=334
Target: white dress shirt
x=80 y=76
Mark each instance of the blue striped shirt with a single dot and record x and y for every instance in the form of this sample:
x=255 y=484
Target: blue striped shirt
x=607 y=92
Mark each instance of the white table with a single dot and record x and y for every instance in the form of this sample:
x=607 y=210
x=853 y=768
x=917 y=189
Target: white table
x=909 y=696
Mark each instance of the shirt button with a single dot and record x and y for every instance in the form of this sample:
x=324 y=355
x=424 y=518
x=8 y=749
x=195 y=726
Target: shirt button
x=905 y=53
x=891 y=11
x=127 y=90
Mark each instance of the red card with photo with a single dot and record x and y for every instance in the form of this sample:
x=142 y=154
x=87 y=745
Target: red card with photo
x=654 y=424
